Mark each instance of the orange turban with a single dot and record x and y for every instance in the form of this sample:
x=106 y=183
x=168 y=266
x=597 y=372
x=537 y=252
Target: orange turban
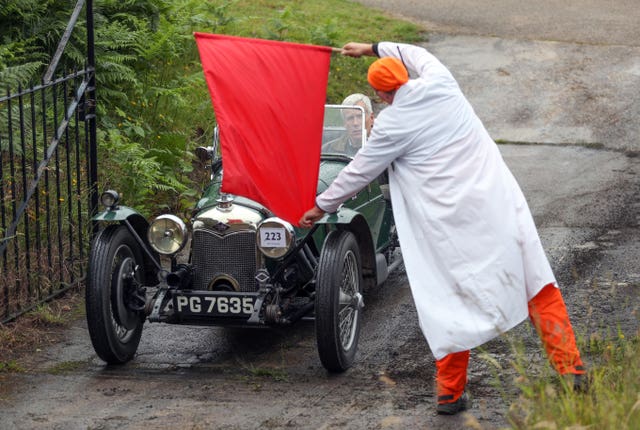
x=387 y=74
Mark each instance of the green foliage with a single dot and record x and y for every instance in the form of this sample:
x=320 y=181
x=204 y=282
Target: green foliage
x=328 y=23
x=10 y=366
x=326 y=33
x=277 y=374
x=153 y=105
x=66 y=367
x=19 y=75
x=45 y=315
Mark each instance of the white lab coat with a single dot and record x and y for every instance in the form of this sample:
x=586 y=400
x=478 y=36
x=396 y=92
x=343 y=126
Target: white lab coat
x=470 y=247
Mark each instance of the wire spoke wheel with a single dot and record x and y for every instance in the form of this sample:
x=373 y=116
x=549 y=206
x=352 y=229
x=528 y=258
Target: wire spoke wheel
x=348 y=303
x=338 y=301
x=112 y=279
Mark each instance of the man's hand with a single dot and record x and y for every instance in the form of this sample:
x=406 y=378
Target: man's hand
x=355 y=49
x=311 y=216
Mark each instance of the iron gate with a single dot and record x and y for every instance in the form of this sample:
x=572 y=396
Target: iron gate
x=48 y=176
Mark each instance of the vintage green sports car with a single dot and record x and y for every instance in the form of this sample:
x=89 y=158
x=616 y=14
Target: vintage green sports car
x=236 y=264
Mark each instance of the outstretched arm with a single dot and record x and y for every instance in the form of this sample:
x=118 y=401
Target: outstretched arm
x=355 y=49
x=417 y=60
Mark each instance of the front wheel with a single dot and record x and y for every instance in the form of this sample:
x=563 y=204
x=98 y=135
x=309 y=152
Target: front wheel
x=338 y=303
x=112 y=283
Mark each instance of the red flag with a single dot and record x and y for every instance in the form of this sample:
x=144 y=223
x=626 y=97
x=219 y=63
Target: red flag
x=269 y=100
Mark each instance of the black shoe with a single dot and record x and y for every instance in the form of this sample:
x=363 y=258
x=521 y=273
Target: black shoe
x=577 y=382
x=462 y=404
x=581 y=383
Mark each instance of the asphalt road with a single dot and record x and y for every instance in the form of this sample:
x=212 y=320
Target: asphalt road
x=561 y=80
x=541 y=72
x=584 y=22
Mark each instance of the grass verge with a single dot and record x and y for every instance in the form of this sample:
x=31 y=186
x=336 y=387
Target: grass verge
x=37 y=329
x=611 y=402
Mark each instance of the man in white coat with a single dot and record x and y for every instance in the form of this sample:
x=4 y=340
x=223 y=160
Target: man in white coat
x=472 y=253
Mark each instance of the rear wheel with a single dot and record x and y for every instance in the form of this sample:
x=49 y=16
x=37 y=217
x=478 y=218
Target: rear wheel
x=338 y=303
x=114 y=325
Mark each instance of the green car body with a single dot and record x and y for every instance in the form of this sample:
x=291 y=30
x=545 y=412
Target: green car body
x=222 y=273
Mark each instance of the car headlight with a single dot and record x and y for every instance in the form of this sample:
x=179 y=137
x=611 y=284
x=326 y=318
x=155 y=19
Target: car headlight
x=109 y=198
x=167 y=234
x=275 y=237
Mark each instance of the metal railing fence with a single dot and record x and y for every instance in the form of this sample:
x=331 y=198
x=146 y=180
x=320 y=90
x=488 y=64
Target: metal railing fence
x=48 y=172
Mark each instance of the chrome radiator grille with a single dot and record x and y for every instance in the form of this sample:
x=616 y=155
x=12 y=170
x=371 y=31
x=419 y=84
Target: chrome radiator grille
x=232 y=254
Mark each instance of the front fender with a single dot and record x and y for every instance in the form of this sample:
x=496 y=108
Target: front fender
x=118 y=214
x=348 y=219
x=134 y=220
x=342 y=216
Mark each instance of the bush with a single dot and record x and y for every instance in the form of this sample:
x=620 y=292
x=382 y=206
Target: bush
x=153 y=105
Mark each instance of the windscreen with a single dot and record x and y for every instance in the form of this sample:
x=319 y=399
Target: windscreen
x=343 y=132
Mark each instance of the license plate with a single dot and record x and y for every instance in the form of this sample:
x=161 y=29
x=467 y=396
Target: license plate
x=217 y=304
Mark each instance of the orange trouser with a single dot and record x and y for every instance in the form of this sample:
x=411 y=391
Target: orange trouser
x=548 y=314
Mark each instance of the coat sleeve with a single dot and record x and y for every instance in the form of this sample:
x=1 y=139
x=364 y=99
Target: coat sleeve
x=418 y=61
x=367 y=164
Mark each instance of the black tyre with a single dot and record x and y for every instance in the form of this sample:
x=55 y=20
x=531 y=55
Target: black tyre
x=114 y=328
x=338 y=303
